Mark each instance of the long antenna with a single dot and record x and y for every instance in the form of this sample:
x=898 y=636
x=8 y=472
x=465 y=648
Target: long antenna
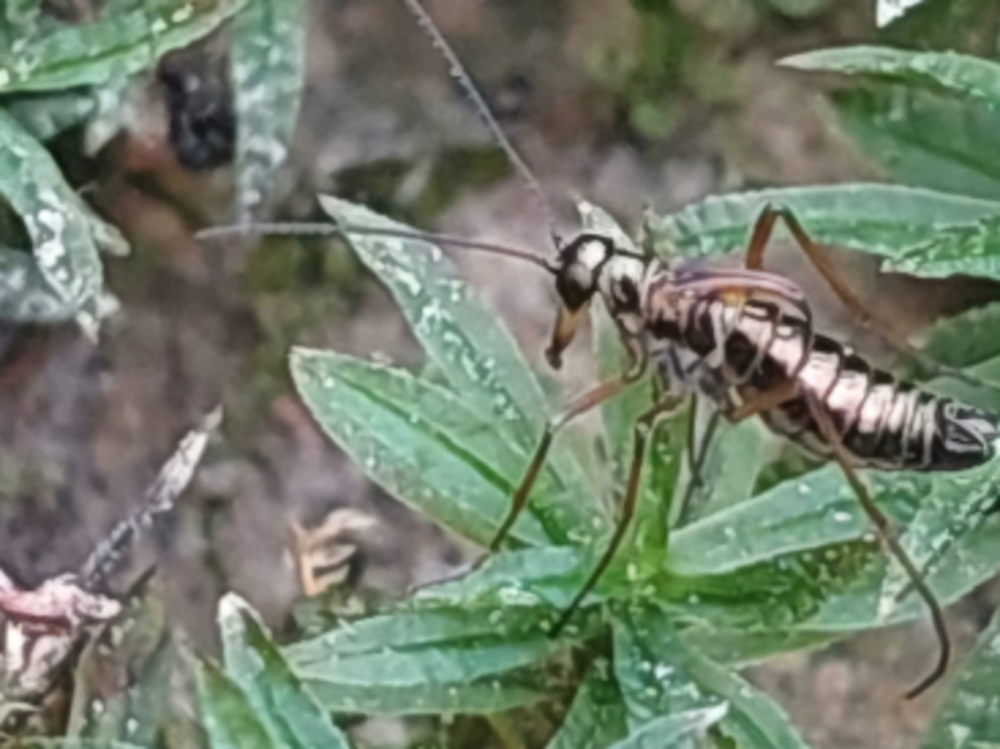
x=461 y=75
x=347 y=231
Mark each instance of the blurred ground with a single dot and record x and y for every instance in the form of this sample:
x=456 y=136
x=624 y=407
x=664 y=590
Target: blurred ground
x=602 y=105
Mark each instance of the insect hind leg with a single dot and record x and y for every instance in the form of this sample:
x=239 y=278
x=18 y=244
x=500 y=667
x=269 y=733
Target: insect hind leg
x=889 y=540
x=759 y=241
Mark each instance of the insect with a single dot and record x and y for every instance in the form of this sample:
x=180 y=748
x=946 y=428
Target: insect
x=745 y=339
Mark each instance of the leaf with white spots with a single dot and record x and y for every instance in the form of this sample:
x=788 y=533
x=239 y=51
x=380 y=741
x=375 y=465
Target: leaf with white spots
x=61 y=276
x=660 y=676
x=596 y=719
x=117 y=44
x=474 y=351
x=469 y=660
x=419 y=442
x=968 y=718
x=267 y=64
x=884 y=220
x=281 y=701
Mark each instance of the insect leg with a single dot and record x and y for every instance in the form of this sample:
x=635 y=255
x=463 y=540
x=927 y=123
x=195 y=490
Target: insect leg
x=762 y=231
x=580 y=405
x=698 y=455
x=888 y=537
x=643 y=428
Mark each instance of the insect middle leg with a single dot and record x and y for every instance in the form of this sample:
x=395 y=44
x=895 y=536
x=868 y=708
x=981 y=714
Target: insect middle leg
x=759 y=241
x=644 y=426
x=579 y=406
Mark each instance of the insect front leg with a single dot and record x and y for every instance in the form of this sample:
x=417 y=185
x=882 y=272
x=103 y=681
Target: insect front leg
x=864 y=317
x=884 y=529
x=644 y=426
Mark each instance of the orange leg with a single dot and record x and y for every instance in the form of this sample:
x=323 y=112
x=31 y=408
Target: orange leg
x=888 y=537
x=643 y=429
x=759 y=239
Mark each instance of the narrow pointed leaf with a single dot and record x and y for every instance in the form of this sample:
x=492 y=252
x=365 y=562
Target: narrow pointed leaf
x=680 y=730
x=61 y=276
x=282 y=703
x=472 y=349
x=267 y=61
x=596 y=719
x=416 y=440
x=229 y=719
x=974 y=77
x=115 y=45
x=925 y=138
x=884 y=220
x=967 y=718
x=445 y=660
x=887 y=11
x=660 y=677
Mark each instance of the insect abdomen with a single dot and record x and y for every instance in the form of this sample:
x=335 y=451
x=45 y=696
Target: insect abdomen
x=882 y=422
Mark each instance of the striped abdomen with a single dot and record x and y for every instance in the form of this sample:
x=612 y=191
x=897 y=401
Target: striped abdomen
x=883 y=423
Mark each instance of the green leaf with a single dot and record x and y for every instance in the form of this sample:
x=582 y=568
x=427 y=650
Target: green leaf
x=925 y=138
x=229 y=719
x=971 y=249
x=288 y=712
x=267 y=61
x=967 y=339
x=447 y=660
x=62 y=276
x=965 y=75
x=660 y=676
x=881 y=219
x=796 y=574
x=966 y=718
x=596 y=719
x=418 y=441
x=550 y=576
x=679 y=730
x=473 y=350
x=116 y=45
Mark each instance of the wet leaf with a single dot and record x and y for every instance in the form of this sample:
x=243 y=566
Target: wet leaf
x=660 y=676
x=116 y=45
x=679 y=730
x=924 y=138
x=472 y=349
x=596 y=719
x=971 y=249
x=61 y=277
x=288 y=712
x=884 y=220
x=227 y=715
x=417 y=440
x=549 y=576
x=974 y=77
x=466 y=660
x=966 y=718
x=267 y=62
